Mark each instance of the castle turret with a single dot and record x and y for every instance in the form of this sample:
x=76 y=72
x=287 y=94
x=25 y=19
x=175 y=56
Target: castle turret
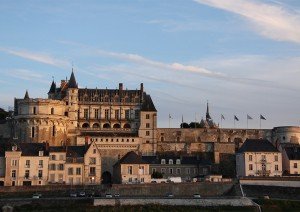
x=72 y=101
x=26 y=95
x=52 y=91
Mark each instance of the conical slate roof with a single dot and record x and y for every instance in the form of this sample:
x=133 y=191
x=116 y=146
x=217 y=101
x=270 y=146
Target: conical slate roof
x=26 y=95
x=72 y=82
x=53 y=87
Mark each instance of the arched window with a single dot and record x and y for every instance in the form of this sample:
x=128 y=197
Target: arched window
x=85 y=125
x=116 y=126
x=106 y=125
x=163 y=161
x=170 y=161
x=96 y=125
x=127 y=126
x=162 y=138
x=177 y=161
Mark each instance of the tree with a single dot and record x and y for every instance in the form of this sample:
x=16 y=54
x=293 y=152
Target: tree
x=184 y=125
x=3 y=114
x=157 y=175
x=194 y=125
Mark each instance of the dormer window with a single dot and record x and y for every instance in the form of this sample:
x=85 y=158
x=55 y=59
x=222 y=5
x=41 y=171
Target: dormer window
x=14 y=148
x=177 y=161
x=170 y=161
x=41 y=153
x=163 y=161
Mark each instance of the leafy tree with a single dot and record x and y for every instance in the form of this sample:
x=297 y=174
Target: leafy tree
x=194 y=125
x=157 y=175
x=3 y=114
x=184 y=125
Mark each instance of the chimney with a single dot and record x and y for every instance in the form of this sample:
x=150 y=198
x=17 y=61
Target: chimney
x=120 y=86
x=142 y=88
x=47 y=146
x=62 y=83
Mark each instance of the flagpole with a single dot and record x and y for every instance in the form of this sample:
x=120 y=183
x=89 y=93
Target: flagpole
x=169 y=120
x=233 y=122
x=247 y=121
x=221 y=120
x=259 y=121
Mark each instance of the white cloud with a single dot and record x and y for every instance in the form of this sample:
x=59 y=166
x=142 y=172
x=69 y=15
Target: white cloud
x=28 y=75
x=270 y=20
x=38 y=57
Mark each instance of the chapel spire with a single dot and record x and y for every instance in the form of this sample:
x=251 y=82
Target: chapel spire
x=207 y=112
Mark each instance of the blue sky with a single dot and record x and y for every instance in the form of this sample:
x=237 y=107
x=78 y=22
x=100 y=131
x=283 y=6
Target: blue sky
x=242 y=56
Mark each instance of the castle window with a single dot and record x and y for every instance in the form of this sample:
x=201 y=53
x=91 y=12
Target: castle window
x=127 y=114
x=53 y=131
x=127 y=126
x=32 y=132
x=177 y=161
x=147 y=125
x=147 y=133
x=163 y=161
x=137 y=114
x=96 y=113
x=52 y=111
x=106 y=125
x=162 y=139
x=34 y=110
x=147 y=116
x=106 y=111
x=86 y=113
x=117 y=114
x=66 y=114
x=170 y=161
x=171 y=171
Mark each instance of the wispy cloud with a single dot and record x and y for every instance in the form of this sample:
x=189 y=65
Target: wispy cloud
x=38 y=57
x=270 y=20
x=27 y=75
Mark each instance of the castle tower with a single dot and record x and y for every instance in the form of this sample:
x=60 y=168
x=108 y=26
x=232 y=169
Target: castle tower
x=72 y=101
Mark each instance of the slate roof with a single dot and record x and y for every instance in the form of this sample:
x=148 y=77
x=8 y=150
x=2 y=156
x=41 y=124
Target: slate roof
x=257 y=145
x=131 y=158
x=76 y=151
x=110 y=134
x=57 y=149
x=72 y=82
x=52 y=88
x=27 y=149
x=148 y=104
x=185 y=160
x=293 y=153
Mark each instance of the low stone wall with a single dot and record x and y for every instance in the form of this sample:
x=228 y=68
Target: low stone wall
x=284 y=182
x=177 y=189
x=176 y=202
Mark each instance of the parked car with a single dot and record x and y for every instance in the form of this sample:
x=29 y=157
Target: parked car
x=73 y=194
x=196 y=196
x=36 y=196
x=82 y=194
x=169 y=195
x=117 y=195
x=108 y=195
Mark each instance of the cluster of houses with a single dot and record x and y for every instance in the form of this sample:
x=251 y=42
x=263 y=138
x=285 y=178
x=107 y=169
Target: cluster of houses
x=41 y=164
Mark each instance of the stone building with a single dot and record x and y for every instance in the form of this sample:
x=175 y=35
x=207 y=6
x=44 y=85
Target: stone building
x=122 y=120
x=291 y=159
x=258 y=157
x=26 y=164
x=131 y=169
x=186 y=167
x=30 y=164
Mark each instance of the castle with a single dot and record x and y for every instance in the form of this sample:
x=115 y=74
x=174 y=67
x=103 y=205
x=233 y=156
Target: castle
x=119 y=121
